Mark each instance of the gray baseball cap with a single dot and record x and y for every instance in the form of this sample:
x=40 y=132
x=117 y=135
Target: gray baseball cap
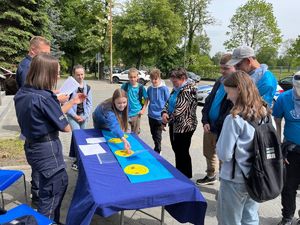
x=239 y=54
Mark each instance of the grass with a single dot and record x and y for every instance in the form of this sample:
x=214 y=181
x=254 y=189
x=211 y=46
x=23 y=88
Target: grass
x=12 y=152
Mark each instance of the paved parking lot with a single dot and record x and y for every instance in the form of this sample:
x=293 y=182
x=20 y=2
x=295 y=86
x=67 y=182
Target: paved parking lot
x=270 y=212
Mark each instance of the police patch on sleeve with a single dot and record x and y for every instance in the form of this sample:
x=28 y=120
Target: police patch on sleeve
x=62 y=117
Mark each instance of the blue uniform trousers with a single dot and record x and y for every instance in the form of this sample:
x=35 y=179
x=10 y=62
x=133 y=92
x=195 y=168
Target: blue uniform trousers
x=35 y=177
x=51 y=194
x=47 y=159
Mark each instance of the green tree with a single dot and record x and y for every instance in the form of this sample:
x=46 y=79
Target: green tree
x=255 y=25
x=19 y=21
x=294 y=50
x=201 y=45
x=217 y=57
x=147 y=29
x=197 y=17
x=267 y=55
x=58 y=32
x=88 y=20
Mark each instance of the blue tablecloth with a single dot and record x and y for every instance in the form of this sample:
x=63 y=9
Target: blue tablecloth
x=105 y=189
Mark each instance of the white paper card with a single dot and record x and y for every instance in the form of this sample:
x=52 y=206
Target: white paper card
x=91 y=149
x=69 y=86
x=95 y=140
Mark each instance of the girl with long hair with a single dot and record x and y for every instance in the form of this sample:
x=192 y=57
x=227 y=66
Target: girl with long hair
x=112 y=114
x=235 y=143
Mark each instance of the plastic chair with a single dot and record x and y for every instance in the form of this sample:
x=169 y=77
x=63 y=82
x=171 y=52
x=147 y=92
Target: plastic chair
x=24 y=210
x=7 y=178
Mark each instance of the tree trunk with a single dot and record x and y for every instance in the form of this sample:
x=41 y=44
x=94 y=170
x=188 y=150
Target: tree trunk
x=139 y=61
x=190 y=41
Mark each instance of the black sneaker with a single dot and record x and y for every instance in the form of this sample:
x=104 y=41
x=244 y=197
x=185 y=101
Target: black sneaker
x=285 y=221
x=206 y=180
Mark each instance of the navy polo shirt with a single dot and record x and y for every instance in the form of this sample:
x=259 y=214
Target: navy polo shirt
x=38 y=112
x=22 y=70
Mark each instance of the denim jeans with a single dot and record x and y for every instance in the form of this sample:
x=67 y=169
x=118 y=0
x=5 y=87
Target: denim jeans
x=235 y=207
x=75 y=125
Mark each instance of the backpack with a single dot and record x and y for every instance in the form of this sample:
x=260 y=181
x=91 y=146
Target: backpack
x=88 y=88
x=141 y=97
x=266 y=177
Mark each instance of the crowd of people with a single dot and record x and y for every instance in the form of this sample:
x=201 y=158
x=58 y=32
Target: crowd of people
x=243 y=93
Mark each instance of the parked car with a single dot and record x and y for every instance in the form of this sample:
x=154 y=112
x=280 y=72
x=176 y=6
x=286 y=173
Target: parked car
x=8 y=81
x=286 y=83
x=279 y=90
x=194 y=76
x=123 y=76
x=204 y=90
x=6 y=73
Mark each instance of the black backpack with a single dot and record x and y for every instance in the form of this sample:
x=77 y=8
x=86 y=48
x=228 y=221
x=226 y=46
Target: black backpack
x=141 y=97
x=266 y=177
x=88 y=88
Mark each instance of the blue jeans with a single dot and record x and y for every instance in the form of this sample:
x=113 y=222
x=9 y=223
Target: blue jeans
x=235 y=207
x=75 y=125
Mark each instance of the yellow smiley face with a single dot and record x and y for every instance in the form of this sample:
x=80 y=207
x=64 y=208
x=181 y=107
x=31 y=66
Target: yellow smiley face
x=117 y=140
x=136 y=169
x=123 y=153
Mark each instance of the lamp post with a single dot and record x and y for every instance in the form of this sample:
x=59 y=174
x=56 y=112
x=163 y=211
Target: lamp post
x=110 y=40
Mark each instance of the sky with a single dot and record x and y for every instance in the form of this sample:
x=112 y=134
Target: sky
x=286 y=12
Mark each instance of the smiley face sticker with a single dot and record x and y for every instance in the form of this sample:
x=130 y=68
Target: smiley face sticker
x=117 y=140
x=123 y=153
x=136 y=169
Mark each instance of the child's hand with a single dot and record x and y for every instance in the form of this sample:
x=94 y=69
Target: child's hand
x=165 y=118
x=142 y=111
x=79 y=119
x=126 y=145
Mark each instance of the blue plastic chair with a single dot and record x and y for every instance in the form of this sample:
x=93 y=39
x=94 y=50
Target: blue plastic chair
x=7 y=178
x=24 y=210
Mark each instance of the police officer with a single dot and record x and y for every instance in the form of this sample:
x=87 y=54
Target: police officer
x=40 y=118
x=37 y=45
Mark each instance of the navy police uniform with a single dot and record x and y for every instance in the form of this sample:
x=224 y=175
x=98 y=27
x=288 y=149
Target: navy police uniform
x=22 y=71
x=40 y=118
x=21 y=74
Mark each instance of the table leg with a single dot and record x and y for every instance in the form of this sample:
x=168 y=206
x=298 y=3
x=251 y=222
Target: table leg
x=162 y=220
x=122 y=218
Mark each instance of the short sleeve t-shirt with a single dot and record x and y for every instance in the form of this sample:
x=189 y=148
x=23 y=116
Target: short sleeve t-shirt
x=284 y=107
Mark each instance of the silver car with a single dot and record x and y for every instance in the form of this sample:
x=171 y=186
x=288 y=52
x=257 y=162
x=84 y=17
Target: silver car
x=202 y=92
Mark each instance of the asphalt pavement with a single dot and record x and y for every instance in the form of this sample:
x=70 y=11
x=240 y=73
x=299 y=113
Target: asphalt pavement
x=269 y=212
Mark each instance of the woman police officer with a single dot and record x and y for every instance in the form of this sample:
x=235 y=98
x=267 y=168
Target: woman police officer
x=40 y=118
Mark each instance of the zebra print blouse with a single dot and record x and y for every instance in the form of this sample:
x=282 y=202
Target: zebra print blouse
x=184 y=117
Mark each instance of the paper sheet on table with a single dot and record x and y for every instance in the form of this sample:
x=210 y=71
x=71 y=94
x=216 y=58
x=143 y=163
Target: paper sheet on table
x=95 y=140
x=69 y=86
x=91 y=149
